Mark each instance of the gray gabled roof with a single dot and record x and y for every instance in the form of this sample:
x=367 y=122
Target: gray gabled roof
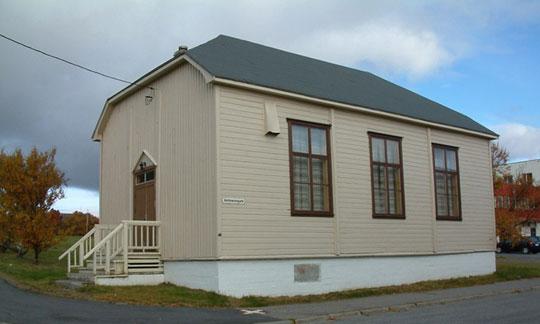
x=239 y=60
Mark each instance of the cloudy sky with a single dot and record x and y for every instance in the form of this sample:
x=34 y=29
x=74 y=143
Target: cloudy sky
x=480 y=58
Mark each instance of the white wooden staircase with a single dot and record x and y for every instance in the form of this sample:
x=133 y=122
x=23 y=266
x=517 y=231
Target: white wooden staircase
x=108 y=251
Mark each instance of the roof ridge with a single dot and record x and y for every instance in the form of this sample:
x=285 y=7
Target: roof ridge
x=292 y=53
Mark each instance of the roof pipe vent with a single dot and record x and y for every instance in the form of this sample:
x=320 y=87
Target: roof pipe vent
x=182 y=49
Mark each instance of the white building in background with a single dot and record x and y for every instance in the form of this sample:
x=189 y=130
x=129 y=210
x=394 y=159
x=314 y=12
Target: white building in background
x=529 y=169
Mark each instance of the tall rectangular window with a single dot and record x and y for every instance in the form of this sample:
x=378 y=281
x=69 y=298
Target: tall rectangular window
x=447 y=194
x=386 y=176
x=310 y=173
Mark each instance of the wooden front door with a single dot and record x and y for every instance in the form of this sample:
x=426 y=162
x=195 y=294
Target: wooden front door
x=144 y=195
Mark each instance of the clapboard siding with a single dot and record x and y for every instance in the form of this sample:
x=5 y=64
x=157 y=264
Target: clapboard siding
x=178 y=130
x=477 y=229
x=359 y=232
x=256 y=167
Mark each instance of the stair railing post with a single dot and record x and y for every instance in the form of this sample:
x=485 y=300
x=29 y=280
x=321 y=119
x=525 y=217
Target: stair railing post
x=94 y=264
x=97 y=235
x=125 y=242
x=107 y=257
x=159 y=238
x=69 y=262
x=81 y=254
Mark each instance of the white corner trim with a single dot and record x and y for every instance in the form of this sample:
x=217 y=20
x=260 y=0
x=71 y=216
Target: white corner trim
x=206 y=75
x=346 y=106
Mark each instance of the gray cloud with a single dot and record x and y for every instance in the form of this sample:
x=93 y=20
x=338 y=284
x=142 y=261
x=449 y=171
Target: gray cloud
x=520 y=140
x=47 y=103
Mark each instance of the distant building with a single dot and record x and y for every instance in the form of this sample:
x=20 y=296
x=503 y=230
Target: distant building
x=530 y=172
x=529 y=169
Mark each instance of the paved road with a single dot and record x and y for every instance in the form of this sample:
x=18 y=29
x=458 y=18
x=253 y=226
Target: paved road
x=17 y=306
x=518 y=257
x=508 y=308
x=508 y=302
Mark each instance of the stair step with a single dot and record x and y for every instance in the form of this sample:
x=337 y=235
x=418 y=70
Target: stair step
x=130 y=261
x=143 y=259
x=81 y=276
x=135 y=266
x=70 y=283
x=147 y=270
x=144 y=255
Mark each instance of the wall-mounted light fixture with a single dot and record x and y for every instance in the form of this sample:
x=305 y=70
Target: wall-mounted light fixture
x=148 y=100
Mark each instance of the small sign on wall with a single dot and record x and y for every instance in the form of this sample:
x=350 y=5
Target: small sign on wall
x=234 y=201
x=307 y=272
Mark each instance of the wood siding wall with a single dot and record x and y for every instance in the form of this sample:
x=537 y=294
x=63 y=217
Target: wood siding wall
x=477 y=203
x=178 y=130
x=255 y=167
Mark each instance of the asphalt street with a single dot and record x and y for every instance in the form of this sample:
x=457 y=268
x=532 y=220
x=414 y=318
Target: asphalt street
x=508 y=308
x=18 y=306
x=505 y=302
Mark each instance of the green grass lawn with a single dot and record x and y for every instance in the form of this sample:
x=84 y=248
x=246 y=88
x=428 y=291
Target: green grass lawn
x=24 y=271
x=41 y=278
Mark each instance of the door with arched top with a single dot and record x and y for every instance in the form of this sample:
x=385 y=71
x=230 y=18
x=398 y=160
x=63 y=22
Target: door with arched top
x=144 y=194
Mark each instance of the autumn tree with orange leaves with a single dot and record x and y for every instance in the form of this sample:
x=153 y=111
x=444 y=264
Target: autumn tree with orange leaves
x=29 y=186
x=520 y=204
x=78 y=223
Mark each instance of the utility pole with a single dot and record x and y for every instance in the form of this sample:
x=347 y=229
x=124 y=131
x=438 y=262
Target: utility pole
x=86 y=222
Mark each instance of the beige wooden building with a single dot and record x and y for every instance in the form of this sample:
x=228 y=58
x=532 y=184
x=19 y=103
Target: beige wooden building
x=262 y=172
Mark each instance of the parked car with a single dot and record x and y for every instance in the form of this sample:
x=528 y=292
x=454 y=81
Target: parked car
x=530 y=244
x=504 y=246
x=525 y=245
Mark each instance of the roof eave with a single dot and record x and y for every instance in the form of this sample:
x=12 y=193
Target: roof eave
x=209 y=78
x=282 y=93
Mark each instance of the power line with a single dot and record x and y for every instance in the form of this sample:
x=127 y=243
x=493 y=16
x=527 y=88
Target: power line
x=71 y=63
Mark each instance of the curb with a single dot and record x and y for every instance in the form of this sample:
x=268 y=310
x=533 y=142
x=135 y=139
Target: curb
x=401 y=307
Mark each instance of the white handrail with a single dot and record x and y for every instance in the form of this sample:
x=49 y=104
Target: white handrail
x=79 y=242
x=136 y=222
x=122 y=239
x=103 y=241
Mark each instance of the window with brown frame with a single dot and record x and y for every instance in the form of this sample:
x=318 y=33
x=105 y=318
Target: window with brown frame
x=386 y=176
x=447 y=193
x=310 y=171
